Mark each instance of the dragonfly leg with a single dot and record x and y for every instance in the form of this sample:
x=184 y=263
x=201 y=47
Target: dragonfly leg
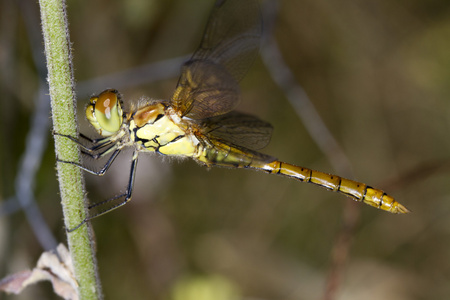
x=93 y=141
x=112 y=201
x=96 y=143
x=103 y=170
x=98 y=155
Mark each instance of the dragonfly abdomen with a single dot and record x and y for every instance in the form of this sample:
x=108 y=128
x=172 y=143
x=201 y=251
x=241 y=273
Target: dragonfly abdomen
x=220 y=154
x=356 y=190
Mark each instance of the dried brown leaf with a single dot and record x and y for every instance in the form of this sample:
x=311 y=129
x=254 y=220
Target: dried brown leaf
x=55 y=267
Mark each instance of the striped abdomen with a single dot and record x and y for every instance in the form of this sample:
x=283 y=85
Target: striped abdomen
x=356 y=190
x=227 y=156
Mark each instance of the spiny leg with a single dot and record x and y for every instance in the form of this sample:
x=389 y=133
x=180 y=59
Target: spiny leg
x=127 y=197
x=100 y=154
x=103 y=170
x=96 y=143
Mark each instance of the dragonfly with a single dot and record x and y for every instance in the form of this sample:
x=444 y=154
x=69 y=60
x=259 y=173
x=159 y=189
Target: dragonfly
x=200 y=122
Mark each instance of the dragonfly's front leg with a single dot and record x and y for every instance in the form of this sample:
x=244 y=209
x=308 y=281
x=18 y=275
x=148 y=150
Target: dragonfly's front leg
x=110 y=204
x=97 y=144
x=103 y=170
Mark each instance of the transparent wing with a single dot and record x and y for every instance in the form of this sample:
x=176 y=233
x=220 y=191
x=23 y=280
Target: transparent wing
x=208 y=85
x=239 y=129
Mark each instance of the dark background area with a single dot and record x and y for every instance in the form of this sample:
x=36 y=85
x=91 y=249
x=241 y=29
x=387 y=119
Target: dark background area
x=378 y=72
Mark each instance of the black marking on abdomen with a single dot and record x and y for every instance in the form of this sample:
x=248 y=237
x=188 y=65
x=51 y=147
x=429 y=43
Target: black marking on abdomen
x=279 y=168
x=381 y=199
x=365 y=193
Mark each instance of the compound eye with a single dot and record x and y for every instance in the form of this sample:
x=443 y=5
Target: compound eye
x=105 y=112
x=106 y=102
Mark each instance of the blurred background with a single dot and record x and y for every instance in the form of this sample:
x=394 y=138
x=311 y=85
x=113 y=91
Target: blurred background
x=377 y=72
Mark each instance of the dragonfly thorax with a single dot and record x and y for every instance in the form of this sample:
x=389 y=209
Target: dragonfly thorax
x=157 y=128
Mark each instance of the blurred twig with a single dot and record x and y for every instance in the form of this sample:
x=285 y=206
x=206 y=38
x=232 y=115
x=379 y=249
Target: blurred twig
x=317 y=129
x=36 y=142
x=160 y=70
x=30 y=163
x=417 y=174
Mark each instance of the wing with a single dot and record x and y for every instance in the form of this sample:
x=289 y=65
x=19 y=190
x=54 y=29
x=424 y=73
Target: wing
x=239 y=129
x=208 y=85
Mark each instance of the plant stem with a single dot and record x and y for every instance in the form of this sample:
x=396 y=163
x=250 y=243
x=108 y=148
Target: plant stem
x=61 y=87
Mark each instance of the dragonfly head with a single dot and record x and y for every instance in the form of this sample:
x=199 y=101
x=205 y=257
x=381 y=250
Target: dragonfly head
x=105 y=113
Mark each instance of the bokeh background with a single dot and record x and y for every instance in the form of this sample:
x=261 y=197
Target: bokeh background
x=378 y=73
